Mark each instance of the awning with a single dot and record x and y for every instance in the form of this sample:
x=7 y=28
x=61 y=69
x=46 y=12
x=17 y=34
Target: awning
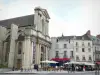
x=73 y=62
x=47 y=61
x=98 y=62
x=87 y=63
x=60 y=59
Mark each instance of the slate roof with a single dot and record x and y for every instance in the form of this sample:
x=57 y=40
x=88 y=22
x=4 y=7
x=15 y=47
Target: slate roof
x=85 y=37
x=20 y=21
x=65 y=37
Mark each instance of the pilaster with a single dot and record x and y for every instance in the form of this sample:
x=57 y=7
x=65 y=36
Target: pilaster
x=26 y=63
x=11 y=54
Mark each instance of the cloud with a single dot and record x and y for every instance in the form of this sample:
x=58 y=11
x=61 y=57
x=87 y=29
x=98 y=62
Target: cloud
x=1 y=5
x=71 y=17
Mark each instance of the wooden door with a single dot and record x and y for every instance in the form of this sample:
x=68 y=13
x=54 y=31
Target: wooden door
x=19 y=63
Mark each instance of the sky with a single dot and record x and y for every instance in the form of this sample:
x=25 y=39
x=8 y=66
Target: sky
x=70 y=17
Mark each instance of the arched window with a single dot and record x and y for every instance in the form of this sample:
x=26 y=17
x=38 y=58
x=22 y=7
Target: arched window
x=42 y=26
x=19 y=47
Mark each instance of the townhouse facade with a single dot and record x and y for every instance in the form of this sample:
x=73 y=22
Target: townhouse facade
x=77 y=48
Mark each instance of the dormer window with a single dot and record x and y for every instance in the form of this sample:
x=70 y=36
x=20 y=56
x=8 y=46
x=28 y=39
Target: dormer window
x=74 y=37
x=69 y=40
x=57 y=40
x=82 y=38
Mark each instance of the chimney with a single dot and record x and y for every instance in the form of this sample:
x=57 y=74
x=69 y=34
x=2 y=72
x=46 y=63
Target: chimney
x=98 y=36
x=62 y=35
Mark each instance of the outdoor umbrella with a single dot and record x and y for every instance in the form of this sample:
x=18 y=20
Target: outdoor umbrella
x=86 y=63
x=47 y=61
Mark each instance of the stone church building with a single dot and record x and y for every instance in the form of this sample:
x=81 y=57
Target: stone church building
x=25 y=41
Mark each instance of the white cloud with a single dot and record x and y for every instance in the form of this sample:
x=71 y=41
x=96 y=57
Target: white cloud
x=68 y=17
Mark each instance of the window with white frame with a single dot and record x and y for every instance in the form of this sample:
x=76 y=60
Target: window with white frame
x=89 y=49
x=76 y=43
x=57 y=54
x=90 y=59
x=82 y=43
x=57 y=46
x=83 y=50
x=89 y=44
x=77 y=58
x=65 y=54
x=65 y=45
x=83 y=58
x=76 y=49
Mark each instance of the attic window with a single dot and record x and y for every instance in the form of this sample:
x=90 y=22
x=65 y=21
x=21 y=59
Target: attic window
x=82 y=38
x=69 y=40
x=57 y=40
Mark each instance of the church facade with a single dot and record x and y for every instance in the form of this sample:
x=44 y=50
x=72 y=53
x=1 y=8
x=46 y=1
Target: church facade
x=25 y=40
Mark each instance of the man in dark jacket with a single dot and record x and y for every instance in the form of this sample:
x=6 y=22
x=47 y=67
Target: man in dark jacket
x=73 y=68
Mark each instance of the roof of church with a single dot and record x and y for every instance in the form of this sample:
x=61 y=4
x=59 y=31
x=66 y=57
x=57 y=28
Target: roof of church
x=20 y=21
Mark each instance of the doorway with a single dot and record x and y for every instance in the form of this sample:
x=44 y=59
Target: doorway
x=19 y=63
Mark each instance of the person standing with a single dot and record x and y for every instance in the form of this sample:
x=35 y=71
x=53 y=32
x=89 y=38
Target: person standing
x=37 y=68
x=13 y=68
x=68 y=68
x=84 y=68
x=73 y=67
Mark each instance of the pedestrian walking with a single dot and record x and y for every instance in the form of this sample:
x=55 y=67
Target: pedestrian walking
x=21 y=69
x=37 y=67
x=13 y=68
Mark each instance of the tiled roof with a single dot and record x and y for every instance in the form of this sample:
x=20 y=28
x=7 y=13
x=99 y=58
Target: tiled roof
x=20 y=21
